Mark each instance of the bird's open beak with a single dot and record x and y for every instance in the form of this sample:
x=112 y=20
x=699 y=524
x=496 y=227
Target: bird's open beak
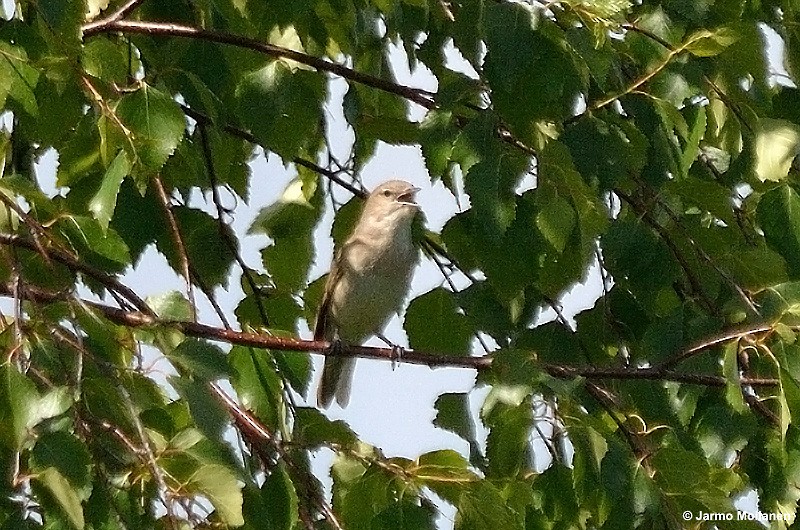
x=408 y=197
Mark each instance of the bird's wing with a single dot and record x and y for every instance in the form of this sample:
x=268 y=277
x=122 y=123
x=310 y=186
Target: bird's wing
x=325 y=329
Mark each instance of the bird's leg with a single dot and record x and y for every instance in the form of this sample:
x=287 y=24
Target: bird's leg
x=335 y=348
x=397 y=350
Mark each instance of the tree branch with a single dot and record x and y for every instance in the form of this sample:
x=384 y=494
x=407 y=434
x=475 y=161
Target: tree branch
x=136 y=319
x=223 y=227
x=119 y=14
x=416 y=95
x=177 y=238
x=73 y=263
x=691 y=277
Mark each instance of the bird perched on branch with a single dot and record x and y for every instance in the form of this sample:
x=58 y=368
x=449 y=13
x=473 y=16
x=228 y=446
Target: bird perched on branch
x=369 y=279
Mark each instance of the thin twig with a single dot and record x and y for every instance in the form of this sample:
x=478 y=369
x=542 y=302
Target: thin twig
x=223 y=227
x=694 y=281
x=74 y=264
x=36 y=230
x=119 y=14
x=209 y=294
x=704 y=344
x=671 y=54
x=257 y=434
x=705 y=257
x=177 y=238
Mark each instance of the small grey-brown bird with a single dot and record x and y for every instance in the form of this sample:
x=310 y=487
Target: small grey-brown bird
x=369 y=279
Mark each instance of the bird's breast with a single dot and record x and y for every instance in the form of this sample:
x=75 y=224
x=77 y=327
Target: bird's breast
x=374 y=282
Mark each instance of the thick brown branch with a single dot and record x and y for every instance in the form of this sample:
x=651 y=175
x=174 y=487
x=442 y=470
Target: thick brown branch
x=265 y=341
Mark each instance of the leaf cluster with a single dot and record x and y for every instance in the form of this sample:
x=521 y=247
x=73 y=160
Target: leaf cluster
x=648 y=147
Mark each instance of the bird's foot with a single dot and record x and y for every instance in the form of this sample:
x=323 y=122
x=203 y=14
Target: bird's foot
x=397 y=351
x=335 y=348
x=397 y=354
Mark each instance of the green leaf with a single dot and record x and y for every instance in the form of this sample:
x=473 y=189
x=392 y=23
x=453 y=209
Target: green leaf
x=208 y=245
x=257 y=383
x=171 y=305
x=295 y=367
x=207 y=411
x=733 y=386
x=221 y=487
x=527 y=66
x=64 y=494
x=282 y=108
x=776 y=146
x=445 y=468
x=406 y=515
x=19 y=79
x=105 y=200
x=556 y=222
x=488 y=184
x=86 y=233
x=433 y=323
x=778 y=214
x=202 y=359
x=313 y=429
x=17 y=392
x=706 y=43
x=508 y=413
x=484 y=507
x=590 y=449
x=63 y=452
x=108 y=60
x=346 y=218
x=281 y=500
x=155 y=126
x=290 y=223
x=452 y=414
x=606 y=152
x=468 y=15
x=64 y=18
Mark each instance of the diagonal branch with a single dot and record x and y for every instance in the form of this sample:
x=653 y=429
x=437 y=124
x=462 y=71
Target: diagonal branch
x=177 y=238
x=416 y=95
x=223 y=228
x=124 y=10
x=671 y=54
x=109 y=282
x=691 y=276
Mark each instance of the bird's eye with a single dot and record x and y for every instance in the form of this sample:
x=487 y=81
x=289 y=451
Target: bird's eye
x=386 y=193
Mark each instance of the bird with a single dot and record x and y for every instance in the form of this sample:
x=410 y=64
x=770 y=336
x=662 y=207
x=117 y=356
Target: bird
x=369 y=279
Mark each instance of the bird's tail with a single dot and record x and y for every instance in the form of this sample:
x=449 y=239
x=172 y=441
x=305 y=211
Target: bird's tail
x=337 y=377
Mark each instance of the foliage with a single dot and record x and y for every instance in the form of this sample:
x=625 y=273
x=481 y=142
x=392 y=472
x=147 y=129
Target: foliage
x=662 y=143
